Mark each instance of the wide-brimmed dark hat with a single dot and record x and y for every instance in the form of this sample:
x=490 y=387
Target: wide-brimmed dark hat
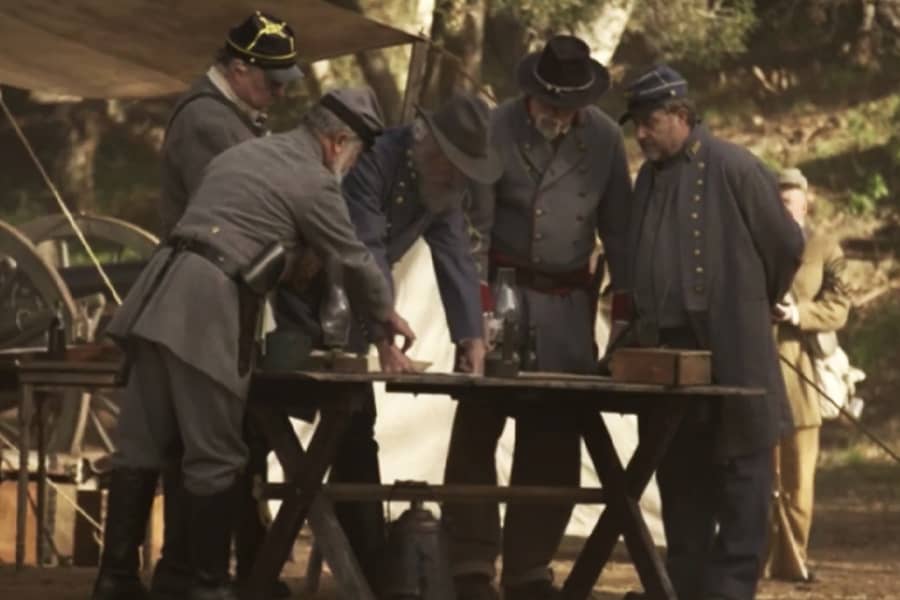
x=563 y=73
x=461 y=128
x=268 y=43
x=652 y=88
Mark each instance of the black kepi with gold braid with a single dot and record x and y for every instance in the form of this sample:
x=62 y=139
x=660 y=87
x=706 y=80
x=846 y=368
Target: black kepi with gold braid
x=268 y=43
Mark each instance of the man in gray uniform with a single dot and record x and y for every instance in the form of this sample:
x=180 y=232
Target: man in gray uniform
x=188 y=322
x=711 y=251
x=565 y=181
x=223 y=108
x=411 y=184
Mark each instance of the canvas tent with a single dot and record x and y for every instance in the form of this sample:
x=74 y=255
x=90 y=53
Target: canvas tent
x=143 y=48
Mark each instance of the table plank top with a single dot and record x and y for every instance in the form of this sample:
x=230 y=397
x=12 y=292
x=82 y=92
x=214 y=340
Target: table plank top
x=100 y=373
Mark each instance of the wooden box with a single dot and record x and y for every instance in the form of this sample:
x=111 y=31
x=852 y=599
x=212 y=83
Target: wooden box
x=663 y=366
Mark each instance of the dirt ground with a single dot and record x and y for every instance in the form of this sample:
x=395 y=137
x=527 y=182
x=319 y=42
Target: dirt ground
x=855 y=549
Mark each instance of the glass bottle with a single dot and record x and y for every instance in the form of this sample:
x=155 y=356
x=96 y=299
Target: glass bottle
x=335 y=315
x=506 y=302
x=508 y=311
x=56 y=333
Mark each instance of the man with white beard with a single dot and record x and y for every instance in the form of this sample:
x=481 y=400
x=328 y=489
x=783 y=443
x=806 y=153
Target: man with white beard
x=188 y=328
x=565 y=182
x=411 y=184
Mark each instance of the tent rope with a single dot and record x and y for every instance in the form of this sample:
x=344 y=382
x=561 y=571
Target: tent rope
x=62 y=205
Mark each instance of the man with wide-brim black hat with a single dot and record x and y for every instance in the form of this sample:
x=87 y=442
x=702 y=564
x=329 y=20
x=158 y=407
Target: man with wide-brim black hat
x=409 y=185
x=565 y=181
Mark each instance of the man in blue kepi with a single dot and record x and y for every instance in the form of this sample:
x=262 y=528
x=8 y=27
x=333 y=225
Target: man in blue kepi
x=711 y=251
x=410 y=184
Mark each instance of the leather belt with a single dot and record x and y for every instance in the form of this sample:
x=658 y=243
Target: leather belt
x=249 y=302
x=557 y=283
x=207 y=251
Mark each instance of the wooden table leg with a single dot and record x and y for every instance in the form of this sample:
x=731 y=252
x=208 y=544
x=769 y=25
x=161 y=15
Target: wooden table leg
x=623 y=514
x=40 y=517
x=306 y=476
x=26 y=404
x=332 y=541
x=335 y=548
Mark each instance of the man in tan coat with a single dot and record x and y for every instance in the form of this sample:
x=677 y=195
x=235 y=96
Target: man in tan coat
x=818 y=302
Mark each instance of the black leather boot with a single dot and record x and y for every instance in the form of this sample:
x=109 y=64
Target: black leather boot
x=172 y=575
x=128 y=510
x=211 y=523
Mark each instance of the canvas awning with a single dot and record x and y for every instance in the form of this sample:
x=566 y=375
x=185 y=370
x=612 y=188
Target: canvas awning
x=143 y=48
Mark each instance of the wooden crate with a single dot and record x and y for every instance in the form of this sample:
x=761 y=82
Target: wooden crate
x=662 y=366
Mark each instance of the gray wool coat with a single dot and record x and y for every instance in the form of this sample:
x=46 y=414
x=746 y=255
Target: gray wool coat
x=738 y=251
x=204 y=124
x=267 y=189
x=545 y=213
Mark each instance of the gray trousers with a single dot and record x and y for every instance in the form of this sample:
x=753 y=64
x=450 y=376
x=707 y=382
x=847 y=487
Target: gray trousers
x=172 y=411
x=547 y=452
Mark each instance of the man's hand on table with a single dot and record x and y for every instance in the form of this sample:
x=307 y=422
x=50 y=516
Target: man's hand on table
x=392 y=358
x=470 y=356
x=397 y=325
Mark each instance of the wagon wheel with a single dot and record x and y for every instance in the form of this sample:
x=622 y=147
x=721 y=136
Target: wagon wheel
x=122 y=248
x=30 y=291
x=121 y=240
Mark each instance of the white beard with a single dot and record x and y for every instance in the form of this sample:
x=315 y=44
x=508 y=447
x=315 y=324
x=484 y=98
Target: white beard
x=339 y=168
x=550 y=129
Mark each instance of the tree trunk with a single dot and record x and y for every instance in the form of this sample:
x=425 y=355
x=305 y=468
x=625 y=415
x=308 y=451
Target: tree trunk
x=604 y=33
x=377 y=72
x=506 y=41
x=73 y=170
x=864 y=45
x=457 y=29
x=375 y=69
x=887 y=12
